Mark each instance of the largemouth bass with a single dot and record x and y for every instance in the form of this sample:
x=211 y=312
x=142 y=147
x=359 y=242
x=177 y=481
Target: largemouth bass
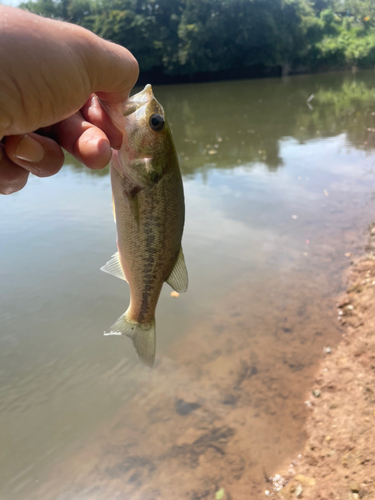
x=149 y=211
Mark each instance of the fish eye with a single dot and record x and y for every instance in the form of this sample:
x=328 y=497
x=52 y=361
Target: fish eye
x=156 y=122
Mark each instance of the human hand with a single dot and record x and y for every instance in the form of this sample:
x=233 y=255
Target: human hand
x=52 y=75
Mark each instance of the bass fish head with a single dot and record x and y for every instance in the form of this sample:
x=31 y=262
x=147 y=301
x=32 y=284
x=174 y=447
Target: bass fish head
x=147 y=131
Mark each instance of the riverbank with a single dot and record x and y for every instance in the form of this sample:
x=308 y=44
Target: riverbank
x=337 y=461
x=157 y=77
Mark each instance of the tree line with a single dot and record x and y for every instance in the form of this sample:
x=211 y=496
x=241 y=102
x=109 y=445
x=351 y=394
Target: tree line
x=208 y=39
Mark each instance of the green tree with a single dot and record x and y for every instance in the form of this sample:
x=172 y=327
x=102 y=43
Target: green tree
x=188 y=37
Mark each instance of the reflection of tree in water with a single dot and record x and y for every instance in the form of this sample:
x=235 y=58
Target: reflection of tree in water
x=351 y=109
x=227 y=124
x=252 y=117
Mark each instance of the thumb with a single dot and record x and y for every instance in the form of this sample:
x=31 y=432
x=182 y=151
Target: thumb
x=114 y=71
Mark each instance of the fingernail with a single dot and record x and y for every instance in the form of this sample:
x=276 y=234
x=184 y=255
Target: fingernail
x=30 y=150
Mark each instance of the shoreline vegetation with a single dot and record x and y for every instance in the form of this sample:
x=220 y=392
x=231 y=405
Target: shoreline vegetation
x=183 y=41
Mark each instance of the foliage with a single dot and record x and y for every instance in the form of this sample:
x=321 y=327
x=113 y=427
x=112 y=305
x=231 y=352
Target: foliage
x=190 y=37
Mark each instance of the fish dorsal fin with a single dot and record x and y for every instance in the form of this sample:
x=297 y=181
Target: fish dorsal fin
x=113 y=267
x=178 y=279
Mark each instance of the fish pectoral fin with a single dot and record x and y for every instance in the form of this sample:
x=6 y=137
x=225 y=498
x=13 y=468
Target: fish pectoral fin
x=142 y=335
x=113 y=267
x=178 y=279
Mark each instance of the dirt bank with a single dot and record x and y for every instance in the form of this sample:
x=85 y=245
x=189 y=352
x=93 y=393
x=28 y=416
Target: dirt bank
x=338 y=459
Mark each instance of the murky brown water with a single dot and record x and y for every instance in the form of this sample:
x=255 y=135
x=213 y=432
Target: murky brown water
x=276 y=194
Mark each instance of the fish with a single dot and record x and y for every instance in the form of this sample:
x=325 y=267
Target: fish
x=149 y=212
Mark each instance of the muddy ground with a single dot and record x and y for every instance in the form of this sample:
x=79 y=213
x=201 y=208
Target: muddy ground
x=338 y=459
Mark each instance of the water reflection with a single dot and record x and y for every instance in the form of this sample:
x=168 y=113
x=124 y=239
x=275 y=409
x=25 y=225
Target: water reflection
x=238 y=123
x=276 y=194
x=225 y=124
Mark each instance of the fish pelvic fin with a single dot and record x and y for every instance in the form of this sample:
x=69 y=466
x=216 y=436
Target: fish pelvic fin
x=142 y=335
x=178 y=279
x=113 y=267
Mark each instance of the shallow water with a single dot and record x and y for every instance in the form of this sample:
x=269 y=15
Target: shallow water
x=276 y=195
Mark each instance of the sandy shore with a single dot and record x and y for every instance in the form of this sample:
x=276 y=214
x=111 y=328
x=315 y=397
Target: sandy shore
x=338 y=459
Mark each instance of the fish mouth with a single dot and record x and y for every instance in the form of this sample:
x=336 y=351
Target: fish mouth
x=138 y=100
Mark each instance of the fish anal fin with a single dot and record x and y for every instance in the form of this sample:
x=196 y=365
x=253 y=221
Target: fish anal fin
x=142 y=335
x=113 y=267
x=178 y=279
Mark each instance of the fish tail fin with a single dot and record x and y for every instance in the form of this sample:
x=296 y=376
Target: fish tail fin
x=142 y=335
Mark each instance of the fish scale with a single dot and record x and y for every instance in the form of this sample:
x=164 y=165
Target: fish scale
x=149 y=213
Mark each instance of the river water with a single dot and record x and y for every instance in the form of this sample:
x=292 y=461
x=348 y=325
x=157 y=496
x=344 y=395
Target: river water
x=278 y=199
